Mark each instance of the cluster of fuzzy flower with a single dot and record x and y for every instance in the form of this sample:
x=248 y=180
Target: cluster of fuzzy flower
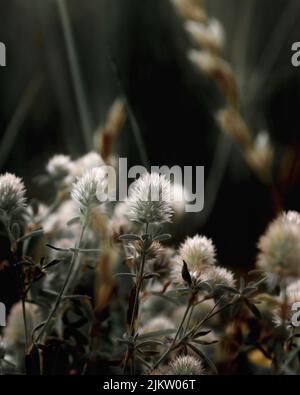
x=279 y=256
x=279 y=246
x=12 y=196
x=63 y=171
x=156 y=269
x=199 y=255
x=185 y=365
x=90 y=190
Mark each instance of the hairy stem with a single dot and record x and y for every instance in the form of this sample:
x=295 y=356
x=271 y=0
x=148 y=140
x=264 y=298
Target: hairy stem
x=170 y=348
x=64 y=287
x=139 y=286
x=135 y=312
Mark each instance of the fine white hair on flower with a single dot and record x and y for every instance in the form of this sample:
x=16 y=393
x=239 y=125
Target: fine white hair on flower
x=199 y=254
x=293 y=292
x=198 y=251
x=279 y=246
x=90 y=190
x=149 y=199
x=218 y=275
x=292 y=217
x=86 y=162
x=59 y=167
x=180 y=196
x=185 y=365
x=12 y=197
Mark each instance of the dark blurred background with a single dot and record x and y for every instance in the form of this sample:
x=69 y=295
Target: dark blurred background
x=174 y=105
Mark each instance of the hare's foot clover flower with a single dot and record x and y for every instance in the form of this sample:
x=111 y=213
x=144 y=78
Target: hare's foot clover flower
x=87 y=162
x=59 y=167
x=279 y=246
x=149 y=199
x=217 y=275
x=198 y=251
x=12 y=198
x=199 y=255
x=90 y=191
x=185 y=365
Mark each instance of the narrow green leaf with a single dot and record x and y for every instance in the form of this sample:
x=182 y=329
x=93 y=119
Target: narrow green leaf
x=74 y=220
x=227 y=288
x=186 y=274
x=129 y=237
x=162 y=237
x=35 y=233
x=57 y=248
x=16 y=230
x=160 y=333
x=201 y=333
x=253 y=309
x=205 y=286
x=205 y=343
x=52 y=263
x=147 y=276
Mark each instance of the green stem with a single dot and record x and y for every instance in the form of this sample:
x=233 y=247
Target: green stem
x=64 y=287
x=170 y=348
x=189 y=319
x=135 y=312
x=211 y=314
x=138 y=287
x=208 y=316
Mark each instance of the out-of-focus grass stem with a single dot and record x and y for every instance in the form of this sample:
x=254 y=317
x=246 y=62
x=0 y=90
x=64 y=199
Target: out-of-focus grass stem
x=84 y=114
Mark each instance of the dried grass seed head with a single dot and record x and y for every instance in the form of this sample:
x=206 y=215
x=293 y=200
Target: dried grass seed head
x=190 y=9
x=209 y=36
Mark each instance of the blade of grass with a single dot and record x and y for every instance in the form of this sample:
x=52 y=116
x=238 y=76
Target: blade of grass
x=84 y=115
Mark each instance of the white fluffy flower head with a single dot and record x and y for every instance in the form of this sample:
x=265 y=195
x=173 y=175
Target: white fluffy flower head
x=149 y=200
x=90 y=190
x=186 y=365
x=216 y=275
x=59 y=167
x=279 y=246
x=199 y=254
x=12 y=196
x=198 y=251
x=87 y=162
